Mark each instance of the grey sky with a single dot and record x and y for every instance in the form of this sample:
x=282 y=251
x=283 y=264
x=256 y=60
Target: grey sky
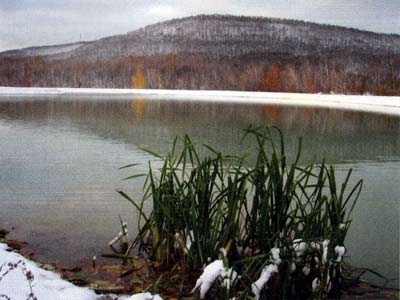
x=26 y=23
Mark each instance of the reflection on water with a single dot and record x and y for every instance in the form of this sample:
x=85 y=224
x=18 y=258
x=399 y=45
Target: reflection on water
x=59 y=161
x=137 y=108
x=334 y=134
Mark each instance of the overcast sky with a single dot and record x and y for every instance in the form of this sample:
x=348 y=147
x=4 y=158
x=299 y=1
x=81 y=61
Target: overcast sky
x=26 y=23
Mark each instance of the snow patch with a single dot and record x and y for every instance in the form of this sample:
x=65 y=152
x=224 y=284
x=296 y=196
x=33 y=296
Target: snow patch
x=143 y=296
x=275 y=256
x=46 y=284
x=266 y=274
x=315 y=283
x=340 y=251
x=325 y=245
x=210 y=274
x=306 y=270
x=299 y=247
x=229 y=276
x=293 y=267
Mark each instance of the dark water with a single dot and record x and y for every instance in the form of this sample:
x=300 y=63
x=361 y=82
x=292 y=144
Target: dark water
x=59 y=161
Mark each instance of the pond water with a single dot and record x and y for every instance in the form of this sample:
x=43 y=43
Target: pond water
x=59 y=165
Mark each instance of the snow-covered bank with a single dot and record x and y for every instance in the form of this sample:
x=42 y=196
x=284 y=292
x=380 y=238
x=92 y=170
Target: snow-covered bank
x=16 y=271
x=377 y=104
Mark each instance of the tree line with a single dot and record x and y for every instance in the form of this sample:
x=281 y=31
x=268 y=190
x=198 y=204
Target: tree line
x=342 y=73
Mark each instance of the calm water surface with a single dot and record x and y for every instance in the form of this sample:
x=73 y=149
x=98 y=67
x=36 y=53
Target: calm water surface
x=59 y=164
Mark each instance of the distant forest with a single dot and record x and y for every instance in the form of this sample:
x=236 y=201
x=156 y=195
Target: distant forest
x=249 y=54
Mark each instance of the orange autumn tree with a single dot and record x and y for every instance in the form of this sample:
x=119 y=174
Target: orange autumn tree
x=138 y=80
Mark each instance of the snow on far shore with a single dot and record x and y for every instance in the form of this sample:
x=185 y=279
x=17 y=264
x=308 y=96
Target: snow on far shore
x=377 y=104
x=46 y=285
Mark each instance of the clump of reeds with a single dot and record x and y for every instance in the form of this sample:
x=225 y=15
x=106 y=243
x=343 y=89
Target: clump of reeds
x=282 y=225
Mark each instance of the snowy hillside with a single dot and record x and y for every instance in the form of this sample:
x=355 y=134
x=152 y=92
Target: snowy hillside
x=226 y=36
x=43 y=50
x=230 y=36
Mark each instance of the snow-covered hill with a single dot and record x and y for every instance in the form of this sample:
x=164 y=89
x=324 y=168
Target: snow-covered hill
x=43 y=50
x=227 y=36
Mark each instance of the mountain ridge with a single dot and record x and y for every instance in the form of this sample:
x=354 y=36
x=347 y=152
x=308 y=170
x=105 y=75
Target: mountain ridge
x=275 y=19
x=223 y=36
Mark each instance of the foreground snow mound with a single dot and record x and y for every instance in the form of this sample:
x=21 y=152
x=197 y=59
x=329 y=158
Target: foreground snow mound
x=14 y=282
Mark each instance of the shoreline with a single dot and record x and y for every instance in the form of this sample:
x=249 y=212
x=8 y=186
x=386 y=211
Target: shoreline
x=106 y=276
x=51 y=280
x=389 y=105
x=83 y=281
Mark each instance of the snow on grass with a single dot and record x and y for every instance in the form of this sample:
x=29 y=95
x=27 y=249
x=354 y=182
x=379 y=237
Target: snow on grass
x=267 y=272
x=229 y=277
x=210 y=274
x=142 y=296
x=16 y=271
x=275 y=252
x=315 y=283
x=377 y=104
x=325 y=245
x=340 y=252
x=265 y=275
x=299 y=247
